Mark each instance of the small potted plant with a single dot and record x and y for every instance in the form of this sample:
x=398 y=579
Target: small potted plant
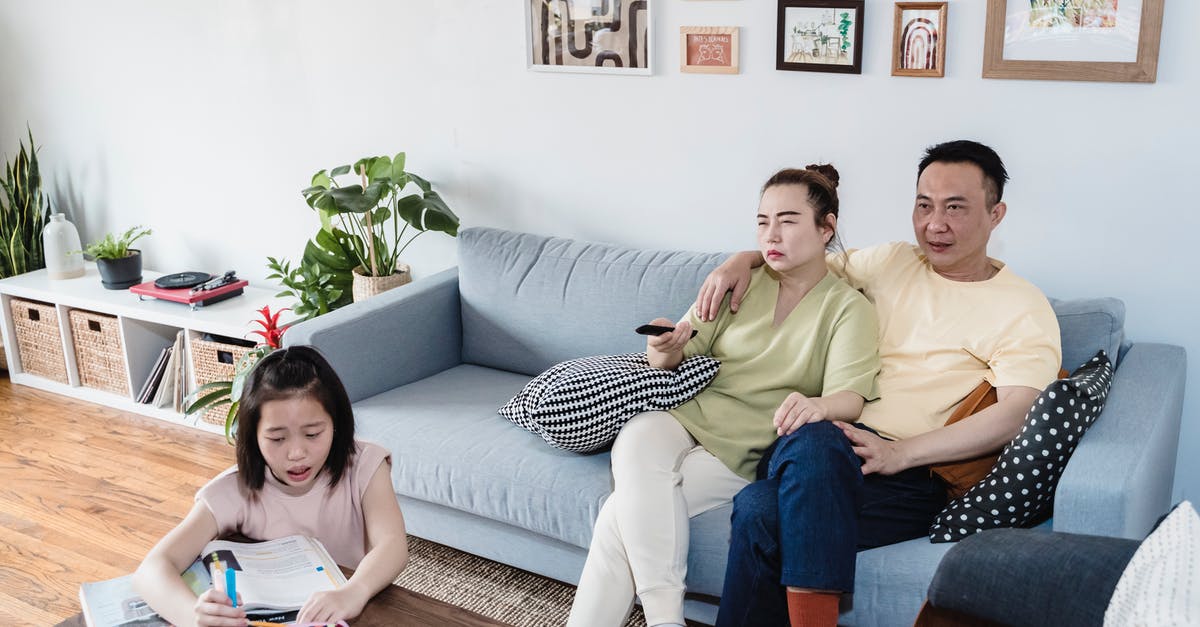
x=370 y=214
x=120 y=266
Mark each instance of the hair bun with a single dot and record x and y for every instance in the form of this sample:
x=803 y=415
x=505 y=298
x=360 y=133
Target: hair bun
x=826 y=170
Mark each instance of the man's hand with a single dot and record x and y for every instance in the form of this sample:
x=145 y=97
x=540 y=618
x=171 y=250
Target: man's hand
x=878 y=455
x=332 y=605
x=732 y=274
x=214 y=609
x=796 y=411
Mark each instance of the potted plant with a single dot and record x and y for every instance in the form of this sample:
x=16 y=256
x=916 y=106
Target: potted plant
x=120 y=266
x=24 y=210
x=369 y=213
x=230 y=391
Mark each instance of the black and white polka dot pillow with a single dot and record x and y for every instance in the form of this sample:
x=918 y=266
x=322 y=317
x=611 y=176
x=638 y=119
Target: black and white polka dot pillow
x=580 y=404
x=1019 y=490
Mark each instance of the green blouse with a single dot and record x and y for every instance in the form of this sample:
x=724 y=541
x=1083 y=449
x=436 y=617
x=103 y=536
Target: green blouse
x=827 y=344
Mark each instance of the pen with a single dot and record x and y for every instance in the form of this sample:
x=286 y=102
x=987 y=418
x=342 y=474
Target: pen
x=231 y=585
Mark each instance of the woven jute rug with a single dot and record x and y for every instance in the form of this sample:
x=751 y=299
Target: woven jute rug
x=492 y=589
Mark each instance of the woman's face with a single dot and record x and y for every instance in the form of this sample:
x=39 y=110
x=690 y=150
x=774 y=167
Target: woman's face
x=788 y=237
x=295 y=435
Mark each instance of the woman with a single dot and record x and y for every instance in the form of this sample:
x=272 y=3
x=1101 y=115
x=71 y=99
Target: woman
x=801 y=349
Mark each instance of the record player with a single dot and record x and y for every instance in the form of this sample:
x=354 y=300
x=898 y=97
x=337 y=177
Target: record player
x=195 y=289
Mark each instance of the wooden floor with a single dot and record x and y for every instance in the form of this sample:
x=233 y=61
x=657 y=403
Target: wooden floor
x=85 y=491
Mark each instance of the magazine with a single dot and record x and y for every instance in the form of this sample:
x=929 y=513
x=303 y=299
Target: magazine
x=274 y=579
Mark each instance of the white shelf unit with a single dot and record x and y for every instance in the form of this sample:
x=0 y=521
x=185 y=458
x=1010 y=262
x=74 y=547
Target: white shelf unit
x=146 y=327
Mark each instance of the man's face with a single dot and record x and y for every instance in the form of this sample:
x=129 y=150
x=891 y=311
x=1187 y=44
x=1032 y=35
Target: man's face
x=952 y=220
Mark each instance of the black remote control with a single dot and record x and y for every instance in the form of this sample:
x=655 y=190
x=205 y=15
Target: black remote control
x=657 y=329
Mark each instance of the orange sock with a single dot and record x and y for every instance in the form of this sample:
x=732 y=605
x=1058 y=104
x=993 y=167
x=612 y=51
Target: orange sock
x=812 y=609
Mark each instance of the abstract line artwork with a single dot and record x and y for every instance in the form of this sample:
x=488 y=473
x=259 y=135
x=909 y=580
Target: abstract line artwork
x=919 y=41
x=608 y=36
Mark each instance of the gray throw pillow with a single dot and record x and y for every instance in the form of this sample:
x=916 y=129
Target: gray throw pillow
x=580 y=404
x=1019 y=490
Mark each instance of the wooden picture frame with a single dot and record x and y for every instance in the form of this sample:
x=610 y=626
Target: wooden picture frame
x=820 y=36
x=708 y=49
x=919 y=39
x=606 y=38
x=1090 y=41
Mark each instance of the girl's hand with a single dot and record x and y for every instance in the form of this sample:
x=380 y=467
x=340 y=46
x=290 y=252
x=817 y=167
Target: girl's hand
x=213 y=608
x=878 y=455
x=332 y=606
x=796 y=411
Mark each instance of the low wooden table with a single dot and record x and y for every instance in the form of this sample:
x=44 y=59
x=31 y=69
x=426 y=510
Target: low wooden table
x=392 y=606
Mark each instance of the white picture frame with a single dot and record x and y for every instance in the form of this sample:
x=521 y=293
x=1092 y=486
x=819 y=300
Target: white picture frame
x=554 y=30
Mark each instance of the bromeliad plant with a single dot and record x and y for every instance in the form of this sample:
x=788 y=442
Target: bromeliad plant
x=230 y=391
x=24 y=211
x=370 y=212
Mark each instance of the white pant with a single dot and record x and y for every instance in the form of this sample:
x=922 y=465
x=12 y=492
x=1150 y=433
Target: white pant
x=661 y=478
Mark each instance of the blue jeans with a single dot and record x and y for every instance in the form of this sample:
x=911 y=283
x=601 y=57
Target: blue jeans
x=803 y=522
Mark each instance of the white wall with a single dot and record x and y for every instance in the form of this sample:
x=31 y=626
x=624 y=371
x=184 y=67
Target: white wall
x=205 y=119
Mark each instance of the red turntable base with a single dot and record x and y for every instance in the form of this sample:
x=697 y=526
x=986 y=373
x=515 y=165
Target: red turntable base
x=186 y=296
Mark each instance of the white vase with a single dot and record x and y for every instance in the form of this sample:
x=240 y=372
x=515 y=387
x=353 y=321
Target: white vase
x=61 y=243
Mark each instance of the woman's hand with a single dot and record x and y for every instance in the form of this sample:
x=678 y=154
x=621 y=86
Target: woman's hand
x=213 y=608
x=331 y=606
x=732 y=274
x=666 y=350
x=796 y=411
x=879 y=455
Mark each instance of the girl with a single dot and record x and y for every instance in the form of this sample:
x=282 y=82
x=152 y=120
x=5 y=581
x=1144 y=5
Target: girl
x=801 y=349
x=299 y=471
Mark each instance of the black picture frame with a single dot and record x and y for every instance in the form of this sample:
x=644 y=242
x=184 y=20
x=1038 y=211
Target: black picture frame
x=812 y=44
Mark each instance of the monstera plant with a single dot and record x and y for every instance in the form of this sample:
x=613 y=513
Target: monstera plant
x=367 y=219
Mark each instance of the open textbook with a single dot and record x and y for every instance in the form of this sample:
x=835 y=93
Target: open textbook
x=274 y=579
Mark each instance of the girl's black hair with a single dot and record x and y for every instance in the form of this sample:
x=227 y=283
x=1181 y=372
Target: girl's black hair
x=287 y=373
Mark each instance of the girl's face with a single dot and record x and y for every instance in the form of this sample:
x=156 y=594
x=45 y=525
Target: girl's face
x=294 y=435
x=788 y=236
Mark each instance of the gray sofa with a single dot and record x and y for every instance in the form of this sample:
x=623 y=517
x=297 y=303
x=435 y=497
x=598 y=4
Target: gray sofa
x=428 y=364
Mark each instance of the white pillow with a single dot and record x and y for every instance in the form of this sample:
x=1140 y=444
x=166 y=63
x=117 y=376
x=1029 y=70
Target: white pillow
x=1161 y=583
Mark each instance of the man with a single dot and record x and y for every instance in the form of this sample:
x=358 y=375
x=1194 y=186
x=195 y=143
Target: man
x=950 y=317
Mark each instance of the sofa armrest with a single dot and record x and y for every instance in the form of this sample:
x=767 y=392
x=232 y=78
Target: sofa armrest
x=1119 y=481
x=394 y=338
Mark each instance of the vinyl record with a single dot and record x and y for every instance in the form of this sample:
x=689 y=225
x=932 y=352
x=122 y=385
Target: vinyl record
x=180 y=280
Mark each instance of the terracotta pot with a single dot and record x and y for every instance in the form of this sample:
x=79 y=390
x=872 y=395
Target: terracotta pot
x=367 y=286
x=123 y=273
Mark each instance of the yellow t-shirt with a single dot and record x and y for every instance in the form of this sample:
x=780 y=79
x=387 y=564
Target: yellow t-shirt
x=826 y=344
x=938 y=338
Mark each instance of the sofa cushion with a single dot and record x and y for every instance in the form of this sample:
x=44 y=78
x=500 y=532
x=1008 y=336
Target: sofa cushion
x=580 y=404
x=1019 y=490
x=530 y=301
x=1088 y=325
x=449 y=447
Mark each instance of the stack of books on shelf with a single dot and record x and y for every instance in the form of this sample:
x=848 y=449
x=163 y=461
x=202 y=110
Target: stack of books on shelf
x=165 y=387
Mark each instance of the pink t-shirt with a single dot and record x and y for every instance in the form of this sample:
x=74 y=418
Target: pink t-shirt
x=333 y=515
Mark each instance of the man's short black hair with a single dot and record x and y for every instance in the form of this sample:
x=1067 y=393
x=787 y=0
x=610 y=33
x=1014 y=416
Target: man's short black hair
x=967 y=151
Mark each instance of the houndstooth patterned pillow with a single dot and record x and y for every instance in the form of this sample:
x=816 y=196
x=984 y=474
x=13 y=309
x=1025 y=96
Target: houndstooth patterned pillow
x=1019 y=490
x=580 y=404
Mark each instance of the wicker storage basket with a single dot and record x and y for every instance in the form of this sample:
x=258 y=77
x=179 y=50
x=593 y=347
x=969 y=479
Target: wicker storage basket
x=39 y=342
x=99 y=354
x=215 y=361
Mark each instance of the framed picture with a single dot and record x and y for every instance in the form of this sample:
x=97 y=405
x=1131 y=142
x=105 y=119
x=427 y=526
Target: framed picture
x=1073 y=40
x=708 y=49
x=598 y=36
x=820 y=36
x=919 y=39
